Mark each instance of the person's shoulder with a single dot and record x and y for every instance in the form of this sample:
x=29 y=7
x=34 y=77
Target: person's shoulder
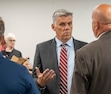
x=46 y=42
x=89 y=48
x=79 y=41
x=16 y=64
x=12 y=65
x=16 y=50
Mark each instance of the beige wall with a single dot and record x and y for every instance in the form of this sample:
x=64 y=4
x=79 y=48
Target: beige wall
x=30 y=20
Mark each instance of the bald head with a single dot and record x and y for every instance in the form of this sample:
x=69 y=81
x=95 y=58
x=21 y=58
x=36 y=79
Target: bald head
x=103 y=13
x=101 y=17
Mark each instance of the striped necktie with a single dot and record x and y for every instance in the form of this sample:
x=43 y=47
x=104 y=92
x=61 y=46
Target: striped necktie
x=63 y=70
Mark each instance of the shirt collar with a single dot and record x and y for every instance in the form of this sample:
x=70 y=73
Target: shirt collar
x=69 y=42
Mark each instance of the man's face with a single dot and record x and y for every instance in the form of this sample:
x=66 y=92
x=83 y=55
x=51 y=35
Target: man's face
x=63 y=28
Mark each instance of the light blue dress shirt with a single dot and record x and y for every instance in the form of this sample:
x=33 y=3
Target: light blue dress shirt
x=71 y=55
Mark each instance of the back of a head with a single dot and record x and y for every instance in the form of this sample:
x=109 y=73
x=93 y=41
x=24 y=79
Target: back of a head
x=2 y=28
x=101 y=17
x=61 y=12
x=102 y=13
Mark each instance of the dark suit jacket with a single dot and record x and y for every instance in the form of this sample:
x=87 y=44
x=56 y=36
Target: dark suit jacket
x=46 y=57
x=92 y=73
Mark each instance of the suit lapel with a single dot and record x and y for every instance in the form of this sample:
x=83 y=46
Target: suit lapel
x=53 y=58
x=76 y=45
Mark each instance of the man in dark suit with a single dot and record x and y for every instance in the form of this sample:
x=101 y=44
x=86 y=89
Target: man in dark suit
x=47 y=55
x=92 y=74
x=14 y=78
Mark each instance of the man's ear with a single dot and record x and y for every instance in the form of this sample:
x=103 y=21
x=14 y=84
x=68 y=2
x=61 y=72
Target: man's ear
x=97 y=25
x=53 y=27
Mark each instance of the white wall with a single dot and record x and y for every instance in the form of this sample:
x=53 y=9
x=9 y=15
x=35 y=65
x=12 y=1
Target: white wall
x=30 y=20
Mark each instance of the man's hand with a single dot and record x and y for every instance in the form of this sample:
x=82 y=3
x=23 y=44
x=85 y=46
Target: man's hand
x=45 y=77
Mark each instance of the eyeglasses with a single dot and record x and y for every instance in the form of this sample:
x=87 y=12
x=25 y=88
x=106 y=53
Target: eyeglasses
x=12 y=40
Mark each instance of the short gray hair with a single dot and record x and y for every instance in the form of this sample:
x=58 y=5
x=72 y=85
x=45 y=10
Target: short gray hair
x=61 y=12
x=9 y=35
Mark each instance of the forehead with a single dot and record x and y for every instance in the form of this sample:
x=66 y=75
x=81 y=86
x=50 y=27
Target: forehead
x=64 y=18
x=10 y=38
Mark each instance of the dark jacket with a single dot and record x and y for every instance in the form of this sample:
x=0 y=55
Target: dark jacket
x=92 y=73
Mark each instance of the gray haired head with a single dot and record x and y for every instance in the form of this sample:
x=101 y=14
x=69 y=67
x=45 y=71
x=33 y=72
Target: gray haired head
x=10 y=35
x=61 y=12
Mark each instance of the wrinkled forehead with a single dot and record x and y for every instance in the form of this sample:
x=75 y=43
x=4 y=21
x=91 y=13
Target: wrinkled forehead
x=63 y=19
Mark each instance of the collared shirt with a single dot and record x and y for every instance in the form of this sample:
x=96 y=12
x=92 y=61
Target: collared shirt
x=71 y=55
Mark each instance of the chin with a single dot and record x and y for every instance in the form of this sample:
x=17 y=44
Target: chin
x=67 y=38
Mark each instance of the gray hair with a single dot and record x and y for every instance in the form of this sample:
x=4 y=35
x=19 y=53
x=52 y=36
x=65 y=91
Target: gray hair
x=9 y=35
x=61 y=12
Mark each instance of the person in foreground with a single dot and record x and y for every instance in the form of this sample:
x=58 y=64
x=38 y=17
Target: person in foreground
x=47 y=62
x=14 y=78
x=92 y=74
